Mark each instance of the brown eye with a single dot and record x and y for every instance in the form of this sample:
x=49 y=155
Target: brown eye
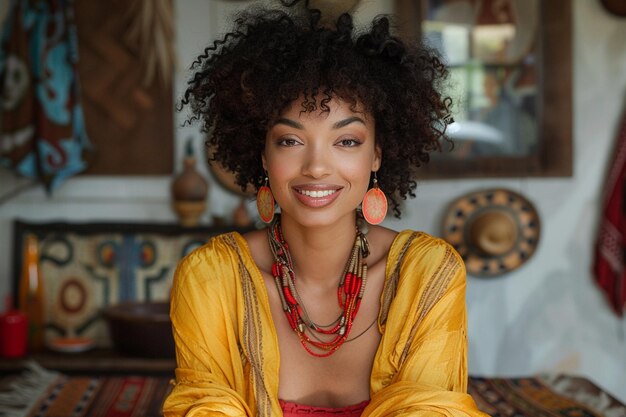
x=287 y=142
x=349 y=143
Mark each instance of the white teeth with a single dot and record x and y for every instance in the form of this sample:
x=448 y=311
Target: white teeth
x=317 y=194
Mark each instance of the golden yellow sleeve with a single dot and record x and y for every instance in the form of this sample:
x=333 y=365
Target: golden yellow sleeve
x=421 y=366
x=209 y=380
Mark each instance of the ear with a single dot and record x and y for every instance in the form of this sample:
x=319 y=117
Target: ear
x=263 y=162
x=378 y=156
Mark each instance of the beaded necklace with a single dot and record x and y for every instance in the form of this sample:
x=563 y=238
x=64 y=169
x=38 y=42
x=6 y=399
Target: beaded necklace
x=350 y=291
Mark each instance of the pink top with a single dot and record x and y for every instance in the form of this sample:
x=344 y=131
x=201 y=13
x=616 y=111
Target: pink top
x=296 y=410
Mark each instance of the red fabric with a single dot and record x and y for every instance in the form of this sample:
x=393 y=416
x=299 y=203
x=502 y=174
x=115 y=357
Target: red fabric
x=297 y=410
x=609 y=257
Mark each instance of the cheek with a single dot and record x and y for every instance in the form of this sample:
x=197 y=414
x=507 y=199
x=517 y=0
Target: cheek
x=358 y=172
x=279 y=173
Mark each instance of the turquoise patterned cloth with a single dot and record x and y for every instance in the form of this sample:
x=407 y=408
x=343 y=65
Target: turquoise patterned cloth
x=42 y=129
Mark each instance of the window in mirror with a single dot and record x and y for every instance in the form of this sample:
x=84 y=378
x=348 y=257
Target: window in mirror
x=510 y=81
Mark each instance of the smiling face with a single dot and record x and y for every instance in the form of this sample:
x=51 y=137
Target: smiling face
x=319 y=163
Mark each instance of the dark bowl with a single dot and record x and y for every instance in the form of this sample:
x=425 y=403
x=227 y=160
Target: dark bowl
x=141 y=328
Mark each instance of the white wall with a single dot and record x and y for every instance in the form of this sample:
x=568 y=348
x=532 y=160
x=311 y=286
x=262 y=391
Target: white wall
x=547 y=316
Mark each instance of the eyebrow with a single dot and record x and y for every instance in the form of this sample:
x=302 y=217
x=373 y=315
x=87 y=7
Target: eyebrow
x=346 y=122
x=337 y=125
x=289 y=123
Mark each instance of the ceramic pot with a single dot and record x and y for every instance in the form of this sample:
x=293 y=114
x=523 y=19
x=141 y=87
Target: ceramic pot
x=189 y=191
x=141 y=329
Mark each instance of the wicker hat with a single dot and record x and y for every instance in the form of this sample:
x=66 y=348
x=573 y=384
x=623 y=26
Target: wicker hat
x=494 y=230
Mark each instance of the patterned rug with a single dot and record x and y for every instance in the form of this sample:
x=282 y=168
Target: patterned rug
x=83 y=396
x=545 y=396
x=104 y=397
x=43 y=393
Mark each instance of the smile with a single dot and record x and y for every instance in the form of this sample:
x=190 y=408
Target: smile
x=317 y=193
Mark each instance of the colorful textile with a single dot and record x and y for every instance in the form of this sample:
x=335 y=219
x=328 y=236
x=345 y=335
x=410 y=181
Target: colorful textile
x=540 y=397
x=123 y=396
x=88 y=266
x=228 y=358
x=608 y=267
x=42 y=132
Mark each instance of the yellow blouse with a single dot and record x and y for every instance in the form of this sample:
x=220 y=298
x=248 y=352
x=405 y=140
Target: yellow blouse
x=227 y=348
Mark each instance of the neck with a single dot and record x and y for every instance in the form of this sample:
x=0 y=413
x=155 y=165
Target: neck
x=319 y=253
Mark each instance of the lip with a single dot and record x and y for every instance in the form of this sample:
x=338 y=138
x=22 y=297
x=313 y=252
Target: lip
x=316 y=202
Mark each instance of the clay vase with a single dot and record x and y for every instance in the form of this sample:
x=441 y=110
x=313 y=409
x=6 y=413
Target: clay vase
x=189 y=191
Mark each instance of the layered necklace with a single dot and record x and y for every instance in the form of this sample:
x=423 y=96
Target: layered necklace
x=350 y=291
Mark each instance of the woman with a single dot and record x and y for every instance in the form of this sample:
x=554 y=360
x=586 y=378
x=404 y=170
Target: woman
x=321 y=312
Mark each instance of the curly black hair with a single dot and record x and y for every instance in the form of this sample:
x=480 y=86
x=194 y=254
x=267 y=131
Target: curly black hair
x=273 y=57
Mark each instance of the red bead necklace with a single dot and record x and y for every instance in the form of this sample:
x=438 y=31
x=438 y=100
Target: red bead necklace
x=350 y=291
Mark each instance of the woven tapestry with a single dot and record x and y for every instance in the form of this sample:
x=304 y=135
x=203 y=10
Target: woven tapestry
x=86 y=267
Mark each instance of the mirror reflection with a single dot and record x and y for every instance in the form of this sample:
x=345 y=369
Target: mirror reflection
x=491 y=48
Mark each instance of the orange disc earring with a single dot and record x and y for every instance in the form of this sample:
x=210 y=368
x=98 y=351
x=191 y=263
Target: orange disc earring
x=265 y=202
x=374 y=206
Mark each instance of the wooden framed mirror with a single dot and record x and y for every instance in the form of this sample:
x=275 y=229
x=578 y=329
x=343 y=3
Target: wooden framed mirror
x=510 y=67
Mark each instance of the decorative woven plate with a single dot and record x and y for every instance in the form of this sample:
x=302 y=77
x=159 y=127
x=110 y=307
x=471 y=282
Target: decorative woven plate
x=494 y=230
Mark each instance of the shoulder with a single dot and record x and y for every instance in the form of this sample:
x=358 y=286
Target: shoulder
x=413 y=247
x=217 y=260
x=259 y=251
x=205 y=292
x=215 y=250
x=418 y=259
x=421 y=269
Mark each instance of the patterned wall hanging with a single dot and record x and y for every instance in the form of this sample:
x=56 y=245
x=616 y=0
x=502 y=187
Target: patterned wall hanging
x=86 y=267
x=42 y=132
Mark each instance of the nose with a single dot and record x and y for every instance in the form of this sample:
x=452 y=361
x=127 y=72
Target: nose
x=317 y=163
